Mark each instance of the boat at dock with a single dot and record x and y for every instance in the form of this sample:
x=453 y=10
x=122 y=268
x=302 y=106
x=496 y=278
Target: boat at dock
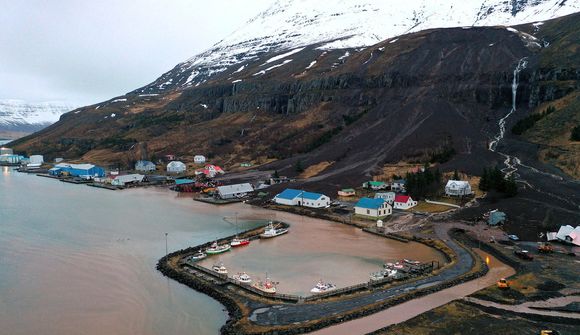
x=220 y=268
x=272 y=231
x=239 y=242
x=197 y=256
x=411 y=262
x=322 y=287
x=267 y=285
x=217 y=249
x=242 y=277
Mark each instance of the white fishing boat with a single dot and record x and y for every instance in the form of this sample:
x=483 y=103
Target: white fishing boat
x=267 y=285
x=322 y=287
x=220 y=268
x=411 y=262
x=242 y=277
x=379 y=275
x=217 y=249
x=197 y=256
x=273 y=231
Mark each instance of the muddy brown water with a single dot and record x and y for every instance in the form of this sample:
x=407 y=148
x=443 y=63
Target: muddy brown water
x=317 y=249
x=81 y=260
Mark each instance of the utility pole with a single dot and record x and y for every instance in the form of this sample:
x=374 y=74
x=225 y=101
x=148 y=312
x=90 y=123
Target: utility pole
x=166 y=250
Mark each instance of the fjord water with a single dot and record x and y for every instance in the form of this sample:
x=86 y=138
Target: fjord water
x=80 y=260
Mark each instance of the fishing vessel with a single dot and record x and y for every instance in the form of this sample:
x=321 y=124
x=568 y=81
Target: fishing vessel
x=273 y=231
x=220 y=268
x=239 y=242
x=197 y=256
x=322 y=287
x=242 y=277
x=267 y=285
x=217 y=249
x=411 y=262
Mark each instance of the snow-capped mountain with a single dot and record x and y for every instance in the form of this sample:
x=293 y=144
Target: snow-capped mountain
x=336 y=24
x=17 y=115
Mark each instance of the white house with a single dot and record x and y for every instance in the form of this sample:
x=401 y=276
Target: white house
x=457 y=188
x=376 y=208
x=293 y=197
x=569 y=234
x=404 y=202
x=145 y=166
x=121 y=180
x=387 y=196
x=199 y=159
x=398 y=185
x=234 y=191
x=176 y=167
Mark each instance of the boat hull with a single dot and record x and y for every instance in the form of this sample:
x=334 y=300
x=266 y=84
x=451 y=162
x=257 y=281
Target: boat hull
x=278 y=233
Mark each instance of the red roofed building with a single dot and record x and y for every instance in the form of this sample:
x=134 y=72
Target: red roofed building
x=210 y=171
x=403 y=202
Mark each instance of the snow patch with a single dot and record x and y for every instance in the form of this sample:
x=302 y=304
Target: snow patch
x=236 y=81
x=149 y=95
x=240 y=69
x=113 y=114
x=512 y=30
x=346 y=54
x=118 y=100
x=203 y=105
x=393 y=41
x=311 y=64
x=284 y=55
x=272 y=67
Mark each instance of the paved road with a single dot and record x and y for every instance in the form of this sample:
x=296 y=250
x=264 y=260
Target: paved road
x=285 y=314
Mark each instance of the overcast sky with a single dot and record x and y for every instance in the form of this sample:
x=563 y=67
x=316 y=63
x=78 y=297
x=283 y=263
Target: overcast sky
x=83 y=52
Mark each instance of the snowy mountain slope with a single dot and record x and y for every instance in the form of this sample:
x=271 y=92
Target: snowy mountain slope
x=337 y=24
x=17 y=115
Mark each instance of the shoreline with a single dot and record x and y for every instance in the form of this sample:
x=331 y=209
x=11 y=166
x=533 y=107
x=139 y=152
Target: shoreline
x=238 y=313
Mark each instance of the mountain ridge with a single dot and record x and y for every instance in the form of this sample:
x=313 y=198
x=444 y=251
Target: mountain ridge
x=21 y=117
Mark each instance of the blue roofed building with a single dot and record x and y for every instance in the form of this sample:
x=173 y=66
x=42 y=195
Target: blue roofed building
x=376 y=208
x=292 y=197
x=86 y=171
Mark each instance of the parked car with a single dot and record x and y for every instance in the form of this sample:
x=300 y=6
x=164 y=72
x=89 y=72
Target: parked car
x=514 y=237
x=524 y=254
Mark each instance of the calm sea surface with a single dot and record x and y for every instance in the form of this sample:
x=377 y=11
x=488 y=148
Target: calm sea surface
x=81 y=260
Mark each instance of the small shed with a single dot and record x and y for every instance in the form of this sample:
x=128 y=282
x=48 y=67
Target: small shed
x=347 y=192
x=36 y=160
x=496 y=217
x=176 y=167
x=398 y=185
x=199 y=159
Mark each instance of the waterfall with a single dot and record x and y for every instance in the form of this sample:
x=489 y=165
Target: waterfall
x=515 y=82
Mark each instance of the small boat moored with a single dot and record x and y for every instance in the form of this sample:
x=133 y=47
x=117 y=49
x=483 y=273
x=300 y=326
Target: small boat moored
x=267 y=285
x=197 y=256
x=220 y=268
x=272 y=231
x=217 y=249
x=239 y=242
x=322 y=287
x=242 y=277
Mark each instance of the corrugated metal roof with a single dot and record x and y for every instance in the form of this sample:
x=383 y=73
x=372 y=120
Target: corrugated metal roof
x=312 y=196
x=235 y=189
x=370 y=203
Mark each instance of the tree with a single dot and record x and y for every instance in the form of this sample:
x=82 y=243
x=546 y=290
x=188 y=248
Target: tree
x=298 y=166
x=511 y=187
x=275 y=175
x=455 y=175
x=484 y=181
x=575 y=136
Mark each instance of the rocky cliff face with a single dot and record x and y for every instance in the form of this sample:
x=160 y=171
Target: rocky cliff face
x=417 y=97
